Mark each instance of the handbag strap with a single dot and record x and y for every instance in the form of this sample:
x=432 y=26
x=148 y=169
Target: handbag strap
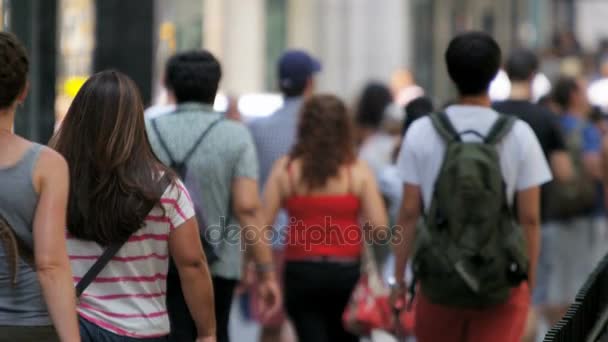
x=98 y=266
x=107 y=255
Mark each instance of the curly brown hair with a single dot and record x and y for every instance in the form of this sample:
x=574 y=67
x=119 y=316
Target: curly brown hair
x=325 y=139
x=14 y=66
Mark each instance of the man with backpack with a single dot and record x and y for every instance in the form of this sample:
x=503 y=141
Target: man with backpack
x=217 y=158
x=474 y=259
x=577 y=206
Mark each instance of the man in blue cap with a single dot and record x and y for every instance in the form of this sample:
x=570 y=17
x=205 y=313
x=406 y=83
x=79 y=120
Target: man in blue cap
x=274 y=137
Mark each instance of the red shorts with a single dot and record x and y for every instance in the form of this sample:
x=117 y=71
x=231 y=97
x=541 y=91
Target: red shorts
x=502 y=323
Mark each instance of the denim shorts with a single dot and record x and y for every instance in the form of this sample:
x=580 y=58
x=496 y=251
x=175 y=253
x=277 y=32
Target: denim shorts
x=90 y=332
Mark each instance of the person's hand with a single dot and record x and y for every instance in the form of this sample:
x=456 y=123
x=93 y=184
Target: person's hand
x=206 y=339
x=269 y=295
x=247 y=280
x=398 y=297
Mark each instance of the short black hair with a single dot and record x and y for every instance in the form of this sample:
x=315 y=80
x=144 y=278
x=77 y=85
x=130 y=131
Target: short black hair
x=562 y=91
x=372 y=103
x=416 y=109
x=521 y=65
x=14 y=66
x=295 y=89
x=193 y=76
x=473 y=60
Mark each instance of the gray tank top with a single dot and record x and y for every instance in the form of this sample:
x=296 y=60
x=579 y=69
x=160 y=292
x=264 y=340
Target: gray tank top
x=24 y=304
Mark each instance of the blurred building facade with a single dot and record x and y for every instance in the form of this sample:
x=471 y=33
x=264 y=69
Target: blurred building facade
x=357 y=40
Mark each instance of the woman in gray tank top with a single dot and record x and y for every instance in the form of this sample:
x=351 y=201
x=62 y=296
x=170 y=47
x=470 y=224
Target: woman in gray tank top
x=37 y=298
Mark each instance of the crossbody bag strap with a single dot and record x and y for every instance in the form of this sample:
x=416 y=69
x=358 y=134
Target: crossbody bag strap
x=98 y=266
x=107 y=255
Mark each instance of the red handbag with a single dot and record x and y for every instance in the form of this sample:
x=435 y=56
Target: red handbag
x=369 y=306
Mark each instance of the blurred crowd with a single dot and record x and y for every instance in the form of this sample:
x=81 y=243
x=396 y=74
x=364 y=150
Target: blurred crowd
x=176 y=214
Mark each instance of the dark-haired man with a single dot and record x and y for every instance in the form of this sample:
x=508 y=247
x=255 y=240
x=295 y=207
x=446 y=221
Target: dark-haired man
x=459 y=260
x=275 y=135
x=226 y=161
x=571 y=244
x=521 y=67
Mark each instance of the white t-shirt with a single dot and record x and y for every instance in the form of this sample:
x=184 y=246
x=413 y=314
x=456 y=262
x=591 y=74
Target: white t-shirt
x=522 y=161
x=128 y=296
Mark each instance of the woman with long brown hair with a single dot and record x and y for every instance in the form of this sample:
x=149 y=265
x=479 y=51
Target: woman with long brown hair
x=37 y=300
x=326 y=190
x=116 y=180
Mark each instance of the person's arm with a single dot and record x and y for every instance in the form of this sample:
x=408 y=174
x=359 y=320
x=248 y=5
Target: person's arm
x=405 y=231
x=528 y=209
x=248 y=210
x=592 y=155
x=374 y=210
x=561 y=166
x=533 y=171
x=274 y=192
x=187 y=253
x=51 y=179
x=559 y=157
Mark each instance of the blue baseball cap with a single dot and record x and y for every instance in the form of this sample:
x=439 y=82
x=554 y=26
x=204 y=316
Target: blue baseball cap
x=296 y=67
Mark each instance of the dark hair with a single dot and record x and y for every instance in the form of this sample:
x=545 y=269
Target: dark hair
x=294 y=89
x=562 y=91
x=193 y=76
x=372 y=103
x=521 y=65
x=113 y=171
x=416 y=109
x=14 y=66
x=325 y=139
x=472 y=60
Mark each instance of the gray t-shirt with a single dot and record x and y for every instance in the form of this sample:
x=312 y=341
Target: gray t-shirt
x=225 y=154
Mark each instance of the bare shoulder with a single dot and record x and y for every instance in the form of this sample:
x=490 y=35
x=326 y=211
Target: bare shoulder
x=50 y=158
x=362 y=175
x=362 y=168
x=50 y=167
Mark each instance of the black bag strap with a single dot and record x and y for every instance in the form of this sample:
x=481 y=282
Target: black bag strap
x=107 y=255
x=191 y=150
x=98 y=266
x=444 y=127
x=499 y=130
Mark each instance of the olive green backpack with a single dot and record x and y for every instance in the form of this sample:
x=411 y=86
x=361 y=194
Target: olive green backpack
x=470 y=252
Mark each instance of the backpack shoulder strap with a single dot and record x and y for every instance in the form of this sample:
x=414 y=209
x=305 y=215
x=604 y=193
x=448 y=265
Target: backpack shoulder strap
x=499 y=130
x=162 y=142
x=200 y=140
x=444 y=127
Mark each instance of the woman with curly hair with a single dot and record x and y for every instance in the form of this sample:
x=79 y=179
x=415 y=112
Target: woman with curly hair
x=37 y=299
x=326 y=190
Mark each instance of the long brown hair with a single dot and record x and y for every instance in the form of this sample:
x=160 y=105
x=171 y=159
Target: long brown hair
x=325 y=139
x=113 y=172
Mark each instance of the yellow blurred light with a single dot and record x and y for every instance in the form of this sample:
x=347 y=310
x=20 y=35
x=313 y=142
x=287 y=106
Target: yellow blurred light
x=167 y=31
x=72 y=85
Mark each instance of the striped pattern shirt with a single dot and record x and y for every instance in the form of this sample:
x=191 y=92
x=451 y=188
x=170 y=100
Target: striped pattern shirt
x=128 y=296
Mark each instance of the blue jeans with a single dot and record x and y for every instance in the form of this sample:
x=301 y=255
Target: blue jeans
x=90 y=332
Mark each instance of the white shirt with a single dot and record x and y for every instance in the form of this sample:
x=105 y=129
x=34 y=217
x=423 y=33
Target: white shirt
x=522 y=161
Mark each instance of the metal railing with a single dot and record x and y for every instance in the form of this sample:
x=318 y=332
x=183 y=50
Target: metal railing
x=587 y=318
